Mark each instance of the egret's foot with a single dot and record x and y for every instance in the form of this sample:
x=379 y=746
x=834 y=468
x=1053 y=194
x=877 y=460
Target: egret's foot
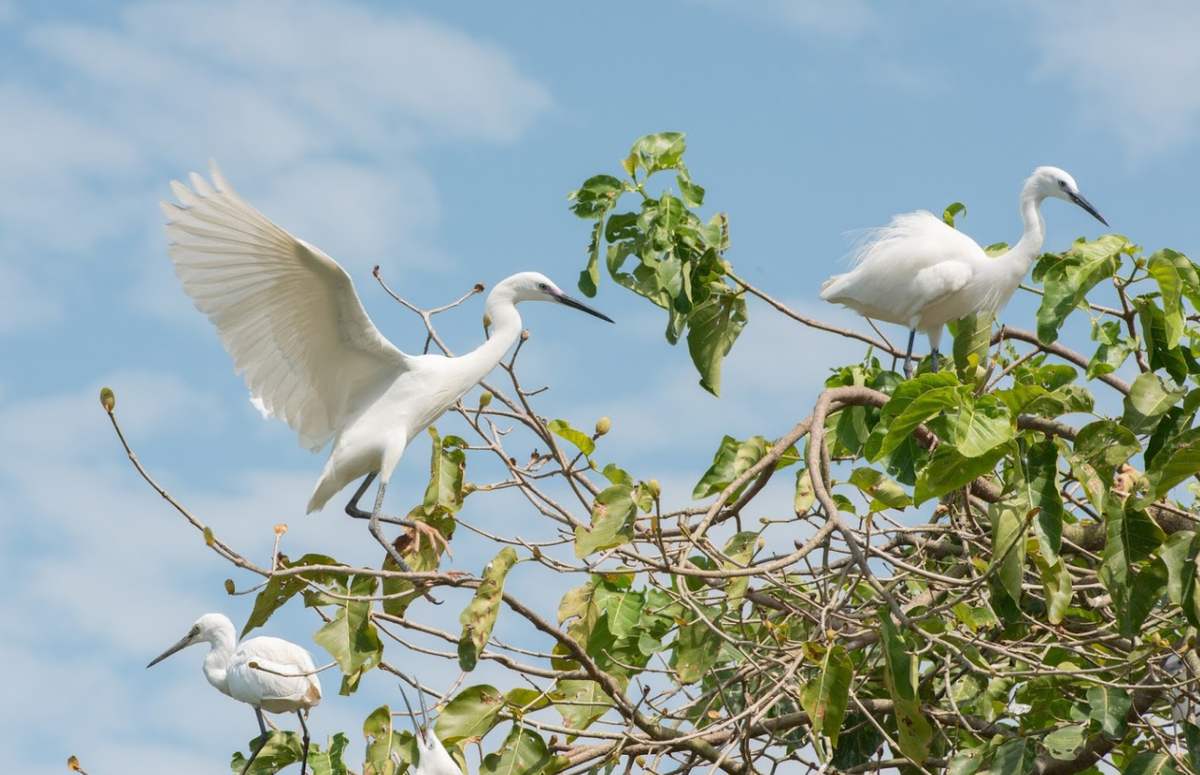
x=935 y=356
x=432 y=534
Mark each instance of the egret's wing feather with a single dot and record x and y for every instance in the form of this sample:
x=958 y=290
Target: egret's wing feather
x=904 y=267
x=286 y=312
x=272 y=656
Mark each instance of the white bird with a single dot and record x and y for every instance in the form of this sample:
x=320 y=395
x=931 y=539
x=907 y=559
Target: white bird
x=432 y=756
x=921 y=273
x=266 y=673
x=289 y=316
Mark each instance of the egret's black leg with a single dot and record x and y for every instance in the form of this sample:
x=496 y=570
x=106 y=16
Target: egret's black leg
x=912 y=336
x=262 y=726
x=935 y=355
x=304 y=739
x=353 y=510
x=373 y=526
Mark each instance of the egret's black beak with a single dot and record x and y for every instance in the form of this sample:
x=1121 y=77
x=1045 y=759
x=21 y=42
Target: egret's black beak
x=186 y=640
x=579 y=305
x=1086 y=205
x=417 y=726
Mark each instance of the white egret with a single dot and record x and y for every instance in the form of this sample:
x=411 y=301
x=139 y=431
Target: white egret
x=266 y=673
x=288 y=315
x=432 y=756
x=922 y=273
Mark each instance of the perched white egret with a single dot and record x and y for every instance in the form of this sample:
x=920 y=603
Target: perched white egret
x=922 y=273
x=289 y=316
x=266 y=673
x=432 y=756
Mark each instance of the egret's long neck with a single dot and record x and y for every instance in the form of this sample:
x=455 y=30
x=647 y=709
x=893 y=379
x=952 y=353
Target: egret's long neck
x=1010 y=267
x=216 y=662
x=1029 y=246
x=504 y=329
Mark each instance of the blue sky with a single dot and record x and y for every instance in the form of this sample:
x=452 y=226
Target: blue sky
x=439 y=140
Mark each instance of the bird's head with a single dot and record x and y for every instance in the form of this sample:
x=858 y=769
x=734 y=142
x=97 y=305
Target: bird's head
x=535 y=286
x=1055 y=182
x=432 y=756
x=205 y=629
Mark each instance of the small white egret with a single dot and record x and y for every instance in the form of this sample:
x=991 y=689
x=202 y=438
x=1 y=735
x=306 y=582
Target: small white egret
x=266 y=673
x=288 y=315
x=922 y=273
x=432 y=756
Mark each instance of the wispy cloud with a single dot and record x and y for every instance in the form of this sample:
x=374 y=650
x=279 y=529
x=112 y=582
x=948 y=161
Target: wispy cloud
x=1131 y=65
x=323 y=131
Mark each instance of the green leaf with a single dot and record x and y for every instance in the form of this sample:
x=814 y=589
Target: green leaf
x=1154 y=330
x=804 y=497
x=1044 y=495
x=952 y=211
x=1115 y=347
x=1162 y=268
x=350 y=637
x=732 y=459
x=1067 y=282
x=446 y=468
x=280 y=589
x=948 y=470
x=979 y=425
x=612 y=521
x=899 y=669
x=1064 y=742
x=1149 y=398
x=826 y=694
x=972 y=339
x=713 y=327
x=885 y=493
x=622 y=604
x=383 y=741
x=523 y=752
x=693 y=195
x=1110 y=708
x=1056 y=581
x=479 y=617
x=579 y=702
x=470 y=715
x=740 y=550
x=1151 y=763
x=1178 y=459
x=282 y=749
x=578 y=438
x=1010 y=758
x=658 y=151
x=596 y=196
x=914 y=407
x=1008 y=519
x=1106 y=445
x=1178 y=553
x=695 y=650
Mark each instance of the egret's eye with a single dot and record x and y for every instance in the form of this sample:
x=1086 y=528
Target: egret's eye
x=195 y=631
x=543 y=287
x=1062 y=184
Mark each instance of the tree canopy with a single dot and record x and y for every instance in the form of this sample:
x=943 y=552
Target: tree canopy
x=981 y=570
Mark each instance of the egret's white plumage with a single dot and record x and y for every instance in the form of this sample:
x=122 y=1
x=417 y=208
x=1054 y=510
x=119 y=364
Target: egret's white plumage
x=268 y=674
x=432 y=756
x=290 y=318
x=921 y=273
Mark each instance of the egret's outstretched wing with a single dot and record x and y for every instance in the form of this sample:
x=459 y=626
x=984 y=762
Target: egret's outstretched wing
x=286 y=312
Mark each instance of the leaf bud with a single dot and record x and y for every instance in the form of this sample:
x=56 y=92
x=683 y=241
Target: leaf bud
x=485 y=398
x=108 y=399
x=603 y=426
x=229 y=588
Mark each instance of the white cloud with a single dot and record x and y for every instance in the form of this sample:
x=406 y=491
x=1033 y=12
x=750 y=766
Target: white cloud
x=1129 y=63
x=322 y=131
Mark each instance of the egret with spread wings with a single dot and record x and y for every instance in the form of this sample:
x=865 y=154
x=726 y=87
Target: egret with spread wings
x=289 y=317
x=921 y=273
